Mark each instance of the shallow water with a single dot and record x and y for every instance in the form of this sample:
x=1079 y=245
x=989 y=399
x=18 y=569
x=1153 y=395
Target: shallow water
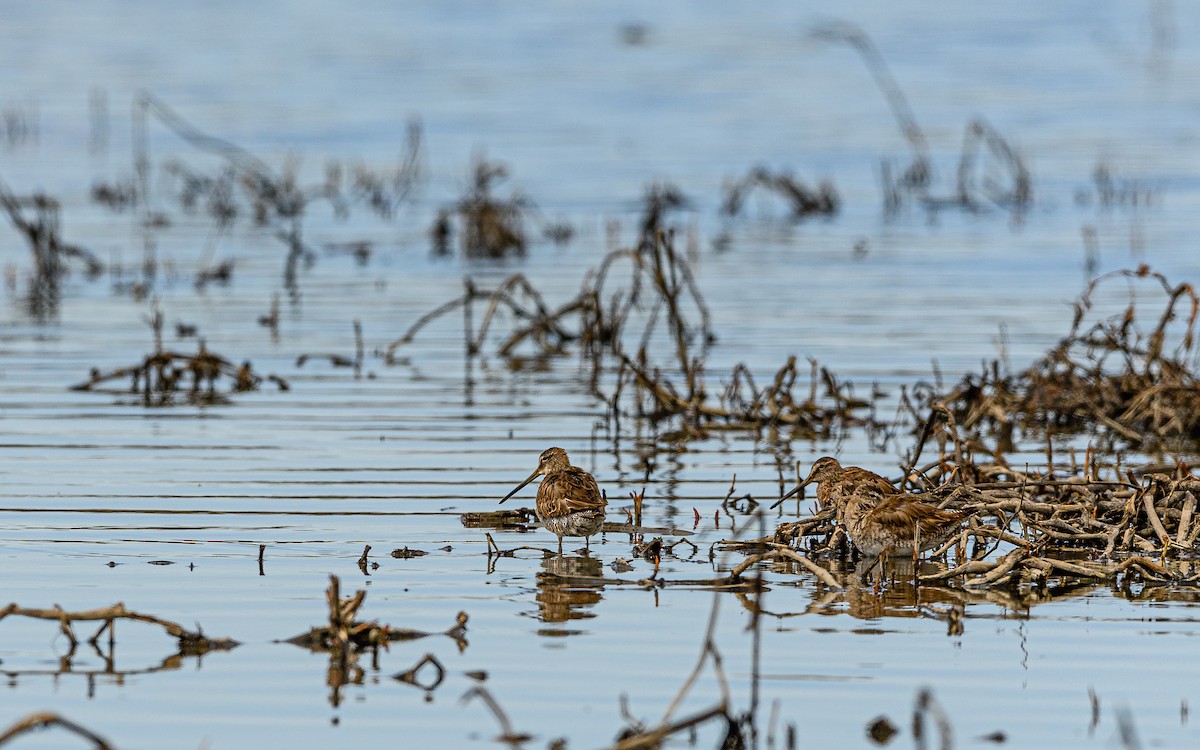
x=97 y=485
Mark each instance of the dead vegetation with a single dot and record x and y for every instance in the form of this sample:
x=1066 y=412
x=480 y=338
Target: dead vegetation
x=644 y=299
x=803 y=200
x=166 y=378
x=347 y=633
x=1034 y=529
x=596 y=319
x=488 y=226
x=1135 y=385
x=189 y=643
x=1079 y=517
x=346 y=637
x=991 y=171
x=38 y=218
x=41 y=720
x=239 y=186
x=1111 y=189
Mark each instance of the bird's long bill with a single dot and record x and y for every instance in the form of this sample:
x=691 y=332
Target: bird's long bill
x=518 y=488
x=793 y=491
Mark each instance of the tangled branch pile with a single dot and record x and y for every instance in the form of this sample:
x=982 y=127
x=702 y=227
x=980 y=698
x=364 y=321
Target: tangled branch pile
x=1074 y=524
x=1112 y=375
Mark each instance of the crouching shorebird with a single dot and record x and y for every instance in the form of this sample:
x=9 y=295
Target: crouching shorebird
x=879 y=518
x=569 y=502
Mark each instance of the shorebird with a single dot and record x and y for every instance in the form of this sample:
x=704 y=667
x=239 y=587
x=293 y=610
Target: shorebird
x=878 y=517
x=569 y=502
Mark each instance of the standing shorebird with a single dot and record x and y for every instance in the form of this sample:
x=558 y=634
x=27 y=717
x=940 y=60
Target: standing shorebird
x=878 y=517
x=569 y=502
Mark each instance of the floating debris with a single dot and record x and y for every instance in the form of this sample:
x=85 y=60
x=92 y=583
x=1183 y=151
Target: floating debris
x=881 y=730
x=346 y=637
x=165 y=378
x=345 y=631
x=245 y=186
x=509 y=518
x=190 y=642
x=411 y=676
x=620 y=565
x=407 y=554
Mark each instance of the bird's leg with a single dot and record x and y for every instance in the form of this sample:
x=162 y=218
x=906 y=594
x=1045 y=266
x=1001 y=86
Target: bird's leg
x=560 y=546
x=883 y=558
x=866 y=574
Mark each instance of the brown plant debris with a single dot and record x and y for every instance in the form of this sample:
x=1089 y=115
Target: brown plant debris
x=412 y=676
x=165 y=377
x=345 y=638
x=404 y=553
x=45 y=719
x=990 y=170
x=828 y=406
x=339 y=360
x=1030 y=528
x=346 y=632
x=245 y=186
x=596 y=318
x=881 y=730
x=658 y=308
x=1112 y=189
x=191 y=642
x=803 y=200
x=508 y=735
x=488 y=226
x=38 y=219
x=1112 y=375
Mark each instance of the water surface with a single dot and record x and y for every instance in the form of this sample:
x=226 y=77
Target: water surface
x=97 y=485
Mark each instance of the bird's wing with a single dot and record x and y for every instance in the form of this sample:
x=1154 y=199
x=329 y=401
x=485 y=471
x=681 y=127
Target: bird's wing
x=569 y=491
x=862 y=483
x=900 y=514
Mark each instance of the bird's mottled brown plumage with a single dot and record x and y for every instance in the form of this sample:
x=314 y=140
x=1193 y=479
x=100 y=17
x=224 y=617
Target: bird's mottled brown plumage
x=569 y=502
x=877 y=516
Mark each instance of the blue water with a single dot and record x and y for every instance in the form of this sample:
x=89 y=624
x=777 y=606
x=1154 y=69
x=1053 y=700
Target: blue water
x=585 y=120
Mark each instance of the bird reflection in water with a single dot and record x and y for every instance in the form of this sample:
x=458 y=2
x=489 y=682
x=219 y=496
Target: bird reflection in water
x=567 y=589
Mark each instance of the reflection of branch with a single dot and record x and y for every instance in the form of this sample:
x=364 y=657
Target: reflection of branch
x=42 y=720
x=652 y=738
x=508 y=736
x=65 y=667
x=927 y=704
x=410 y=676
